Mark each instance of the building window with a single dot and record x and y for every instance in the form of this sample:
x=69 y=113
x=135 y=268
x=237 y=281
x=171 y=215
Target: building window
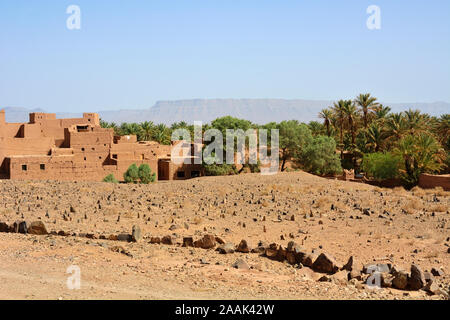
x=84 y=158
x=114 y=156
x=180 y=174
x=42 y=166
x=82 y=149
x=24 y=167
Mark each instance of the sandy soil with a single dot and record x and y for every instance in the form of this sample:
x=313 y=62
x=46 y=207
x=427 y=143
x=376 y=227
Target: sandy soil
x=399 y=227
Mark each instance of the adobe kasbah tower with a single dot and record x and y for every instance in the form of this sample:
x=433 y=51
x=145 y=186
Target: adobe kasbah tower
x=47 y=148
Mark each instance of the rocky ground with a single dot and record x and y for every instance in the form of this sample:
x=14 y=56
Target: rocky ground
x=299 y=230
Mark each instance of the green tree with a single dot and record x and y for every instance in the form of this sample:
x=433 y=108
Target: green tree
x=381 y=113
x=350 y=112
x=110 y=178
x=294 y=136
x=145 y=174
x=319 y=156
x=367 y=103
x=162 y=134
x=339 y=111
x=132 y=174
x=375 y=137
x=147 y=128
x=326 y=115
x=421 y=153
x=220 y=169
x=381 y=166
x=316 y=128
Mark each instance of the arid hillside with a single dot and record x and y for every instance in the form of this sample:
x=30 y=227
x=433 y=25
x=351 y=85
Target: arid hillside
x=299 y=230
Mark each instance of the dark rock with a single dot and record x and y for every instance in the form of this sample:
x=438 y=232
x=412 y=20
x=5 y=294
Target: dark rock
x=219 y=240
x=354 y=274
x=124 y=237
x=281 y=256
x=261 y=248
x=4 y=227
x=417 y=279
x=400 y=280
x=155 y=240
x=167 y=240
x=295 y=253
x=352 y=265
x=325 y=263
x=112 y=237
x=309 y=259
x=325 y=279
x=272 y=251
x=19 y=227
x=207 y=242
x=243 y=247
x=188 y=242
x=386 y=280
x=437 y=272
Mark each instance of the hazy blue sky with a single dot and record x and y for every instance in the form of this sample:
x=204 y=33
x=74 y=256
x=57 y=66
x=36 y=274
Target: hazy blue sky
x=129 y=54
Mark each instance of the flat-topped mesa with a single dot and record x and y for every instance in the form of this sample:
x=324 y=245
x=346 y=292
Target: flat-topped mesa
x=47 y=148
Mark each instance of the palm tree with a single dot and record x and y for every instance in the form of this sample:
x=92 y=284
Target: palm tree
x=178 y=125
x=131 y=129
x=367 y=103
x=375 y=137
x=338 y=109
x=349 y=109
x=147 y=130
x=316 y=128
x=161 y=134
x=421 y=153
x=442 y=129
x=381 y=112
x=350 y=113
x=415 y=121
x=326 y=115
x=396 y=127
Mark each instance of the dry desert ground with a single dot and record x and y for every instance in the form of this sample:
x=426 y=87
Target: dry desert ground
x=299 y=230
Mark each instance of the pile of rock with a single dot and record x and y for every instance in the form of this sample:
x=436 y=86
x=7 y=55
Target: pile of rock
x=374 y=275
x=35 y=227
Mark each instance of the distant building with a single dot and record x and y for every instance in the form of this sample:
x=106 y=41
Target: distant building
x=47 y=148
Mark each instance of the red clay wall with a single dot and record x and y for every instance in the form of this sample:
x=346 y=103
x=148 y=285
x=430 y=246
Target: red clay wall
x=432 y=181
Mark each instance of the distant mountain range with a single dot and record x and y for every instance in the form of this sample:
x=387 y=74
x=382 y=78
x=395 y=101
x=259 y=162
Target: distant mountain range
x=256 y=110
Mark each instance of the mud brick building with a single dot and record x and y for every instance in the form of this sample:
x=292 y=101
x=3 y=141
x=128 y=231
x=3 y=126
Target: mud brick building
x=47 y=148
